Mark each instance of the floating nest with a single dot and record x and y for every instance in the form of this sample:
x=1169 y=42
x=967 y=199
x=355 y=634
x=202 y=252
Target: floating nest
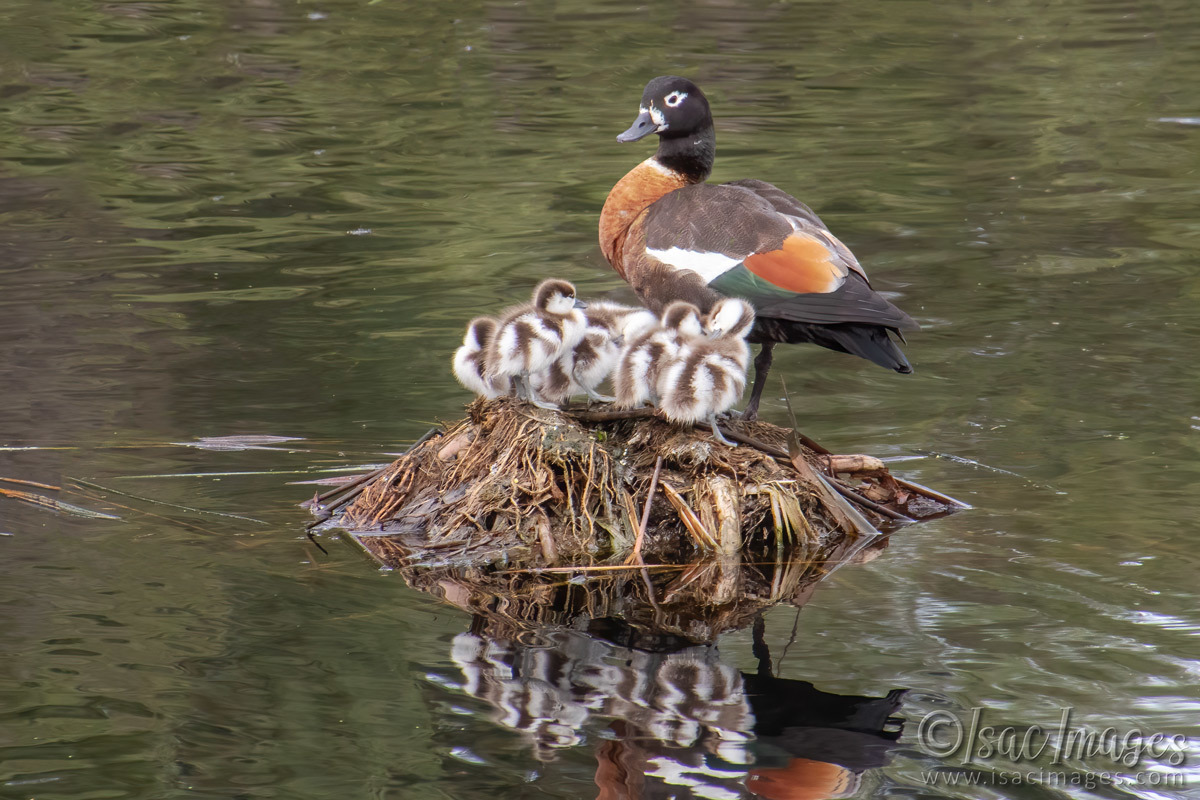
x=515 y=486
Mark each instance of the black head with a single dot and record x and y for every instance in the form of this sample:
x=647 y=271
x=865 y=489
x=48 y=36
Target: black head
x=672 y=107
x=677 y=111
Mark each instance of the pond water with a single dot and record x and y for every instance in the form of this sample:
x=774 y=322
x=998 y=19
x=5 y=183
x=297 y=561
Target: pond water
x=273 y=218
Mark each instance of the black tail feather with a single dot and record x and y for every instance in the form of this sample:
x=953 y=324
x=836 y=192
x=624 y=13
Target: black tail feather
x=871 y=342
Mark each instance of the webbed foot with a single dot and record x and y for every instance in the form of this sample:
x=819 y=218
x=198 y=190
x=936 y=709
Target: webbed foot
x=716 y=432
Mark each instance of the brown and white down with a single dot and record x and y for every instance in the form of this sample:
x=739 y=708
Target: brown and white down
x=707 y=375
x=583 y=368
x=533 y=336
x=470 y=360
x=636 y=379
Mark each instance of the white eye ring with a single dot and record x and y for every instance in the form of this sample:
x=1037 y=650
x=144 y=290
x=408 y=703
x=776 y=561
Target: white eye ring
x=675 y=98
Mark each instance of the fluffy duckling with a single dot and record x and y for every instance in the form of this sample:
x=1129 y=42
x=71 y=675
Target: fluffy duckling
x=609 y=327
x=593 y=360
x=532 y=336
x=708 y=375
x=580 y=369
x=583 y=368
x=622 y=320
x=643 y=359
x=470 y=360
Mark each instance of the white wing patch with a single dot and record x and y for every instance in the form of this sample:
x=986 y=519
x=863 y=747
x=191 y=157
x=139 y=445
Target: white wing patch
x=707 y=265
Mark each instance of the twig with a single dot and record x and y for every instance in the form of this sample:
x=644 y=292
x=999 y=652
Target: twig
x=849 y=493
x=816 y=447
x=762 y=446
x=650 y=496
x=813 y=445
x=313 y=539
x=840 y=487
x=689 y=519
x=31 y=498
x=925 y=490
x=870 y=505
x=34 y=484
x=351 y=484
x=791 y=640
x=595 y=568
x=636 y=556
x=355 y=487
x=91 y=485
x=804 y=440
x=604 y=416
x=645 y=573
x=146 y=513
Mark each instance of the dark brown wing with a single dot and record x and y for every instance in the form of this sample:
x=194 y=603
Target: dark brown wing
x=787 y=265
x=780 y=200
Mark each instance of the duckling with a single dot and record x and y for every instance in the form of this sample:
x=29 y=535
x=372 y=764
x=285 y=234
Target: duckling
x=637 y=377
x=627 y=321
x=532 y=336
x=580 y=369
x=470 y=360
x=621 y=324
x=583 y=368
x=708 y=375
x=593 y=360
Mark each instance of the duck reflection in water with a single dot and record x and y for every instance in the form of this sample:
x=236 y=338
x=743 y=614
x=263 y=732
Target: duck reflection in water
x=682 y=723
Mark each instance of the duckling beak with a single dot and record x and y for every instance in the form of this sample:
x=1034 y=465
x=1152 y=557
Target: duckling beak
x=579 y=303
x=715 y=332
x=619 y=341
x=642 y=127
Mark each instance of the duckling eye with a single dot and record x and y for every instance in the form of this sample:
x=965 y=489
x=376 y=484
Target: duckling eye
x=674 y=98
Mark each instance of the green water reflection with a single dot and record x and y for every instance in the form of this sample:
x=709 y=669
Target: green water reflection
x=225 y=218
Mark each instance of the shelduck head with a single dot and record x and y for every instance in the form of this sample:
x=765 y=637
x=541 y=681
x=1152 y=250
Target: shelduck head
x=556 y=297
x=672 y=107
x=683 y=318
x=729 y=317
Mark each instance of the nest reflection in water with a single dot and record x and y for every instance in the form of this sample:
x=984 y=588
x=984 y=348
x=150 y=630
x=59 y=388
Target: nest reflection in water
x=629 y=667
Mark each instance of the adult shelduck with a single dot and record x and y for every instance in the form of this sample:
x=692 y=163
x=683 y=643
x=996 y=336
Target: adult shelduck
x=674 y=237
